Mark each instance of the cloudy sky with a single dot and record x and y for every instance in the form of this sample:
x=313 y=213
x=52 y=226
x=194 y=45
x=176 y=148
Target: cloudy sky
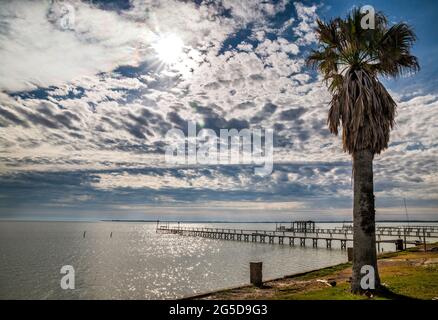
x=88 y=90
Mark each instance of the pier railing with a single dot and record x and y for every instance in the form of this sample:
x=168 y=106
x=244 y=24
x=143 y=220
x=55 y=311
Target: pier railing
x=401 y=237
x=419 y=231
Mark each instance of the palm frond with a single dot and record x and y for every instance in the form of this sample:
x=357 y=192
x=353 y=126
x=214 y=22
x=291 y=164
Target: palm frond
x=351 y=59
x=366 y=111
x=393 y=51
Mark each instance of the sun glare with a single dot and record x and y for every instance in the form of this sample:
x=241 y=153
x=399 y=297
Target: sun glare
x=168 y=48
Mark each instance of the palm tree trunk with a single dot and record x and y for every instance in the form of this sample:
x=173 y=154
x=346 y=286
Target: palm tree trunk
x=364 y=226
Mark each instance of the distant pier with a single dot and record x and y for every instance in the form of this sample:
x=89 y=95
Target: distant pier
x=308 y=234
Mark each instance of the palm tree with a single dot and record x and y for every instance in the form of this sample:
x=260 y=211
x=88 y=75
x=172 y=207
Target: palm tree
x=351 y=59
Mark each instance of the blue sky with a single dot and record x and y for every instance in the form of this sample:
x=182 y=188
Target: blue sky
x=421 y=15
x=87 y=94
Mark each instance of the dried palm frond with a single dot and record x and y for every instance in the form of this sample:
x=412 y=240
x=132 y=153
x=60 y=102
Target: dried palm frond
x=351 y=59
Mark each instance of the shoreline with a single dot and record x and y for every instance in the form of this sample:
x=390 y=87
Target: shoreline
x=289 y=276
x=405 y=275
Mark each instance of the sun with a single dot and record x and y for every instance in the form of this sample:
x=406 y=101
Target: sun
x=169 y=48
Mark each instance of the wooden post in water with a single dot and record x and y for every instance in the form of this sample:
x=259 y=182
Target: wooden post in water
x=399 y=245
x=350 y=253
x=404 y=239
x=255 y=273
x=424 y=240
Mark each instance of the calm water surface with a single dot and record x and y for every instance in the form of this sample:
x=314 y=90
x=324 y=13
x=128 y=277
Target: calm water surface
x=136 y=262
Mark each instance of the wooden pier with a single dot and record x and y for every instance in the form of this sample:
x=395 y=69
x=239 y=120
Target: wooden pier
x=409 y=231
x=316 y=238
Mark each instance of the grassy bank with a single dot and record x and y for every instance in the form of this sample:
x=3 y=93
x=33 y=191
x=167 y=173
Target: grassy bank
x=410 y=274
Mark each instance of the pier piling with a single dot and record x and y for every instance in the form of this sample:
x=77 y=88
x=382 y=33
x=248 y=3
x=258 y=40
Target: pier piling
x=350 y=253
x=399 y=245
x=255 y=273
x=337 y=235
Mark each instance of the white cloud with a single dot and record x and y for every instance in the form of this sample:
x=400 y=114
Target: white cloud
x=37 y=51
x=107 y=123
x=307 y=16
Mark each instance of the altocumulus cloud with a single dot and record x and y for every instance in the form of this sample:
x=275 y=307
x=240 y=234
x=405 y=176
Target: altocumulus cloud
x=85 y=104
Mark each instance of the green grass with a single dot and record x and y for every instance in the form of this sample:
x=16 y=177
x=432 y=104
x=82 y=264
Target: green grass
x=322 y=272
x=340 y=292
x=417 y=282
x=401 y=282
x=404 y=275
